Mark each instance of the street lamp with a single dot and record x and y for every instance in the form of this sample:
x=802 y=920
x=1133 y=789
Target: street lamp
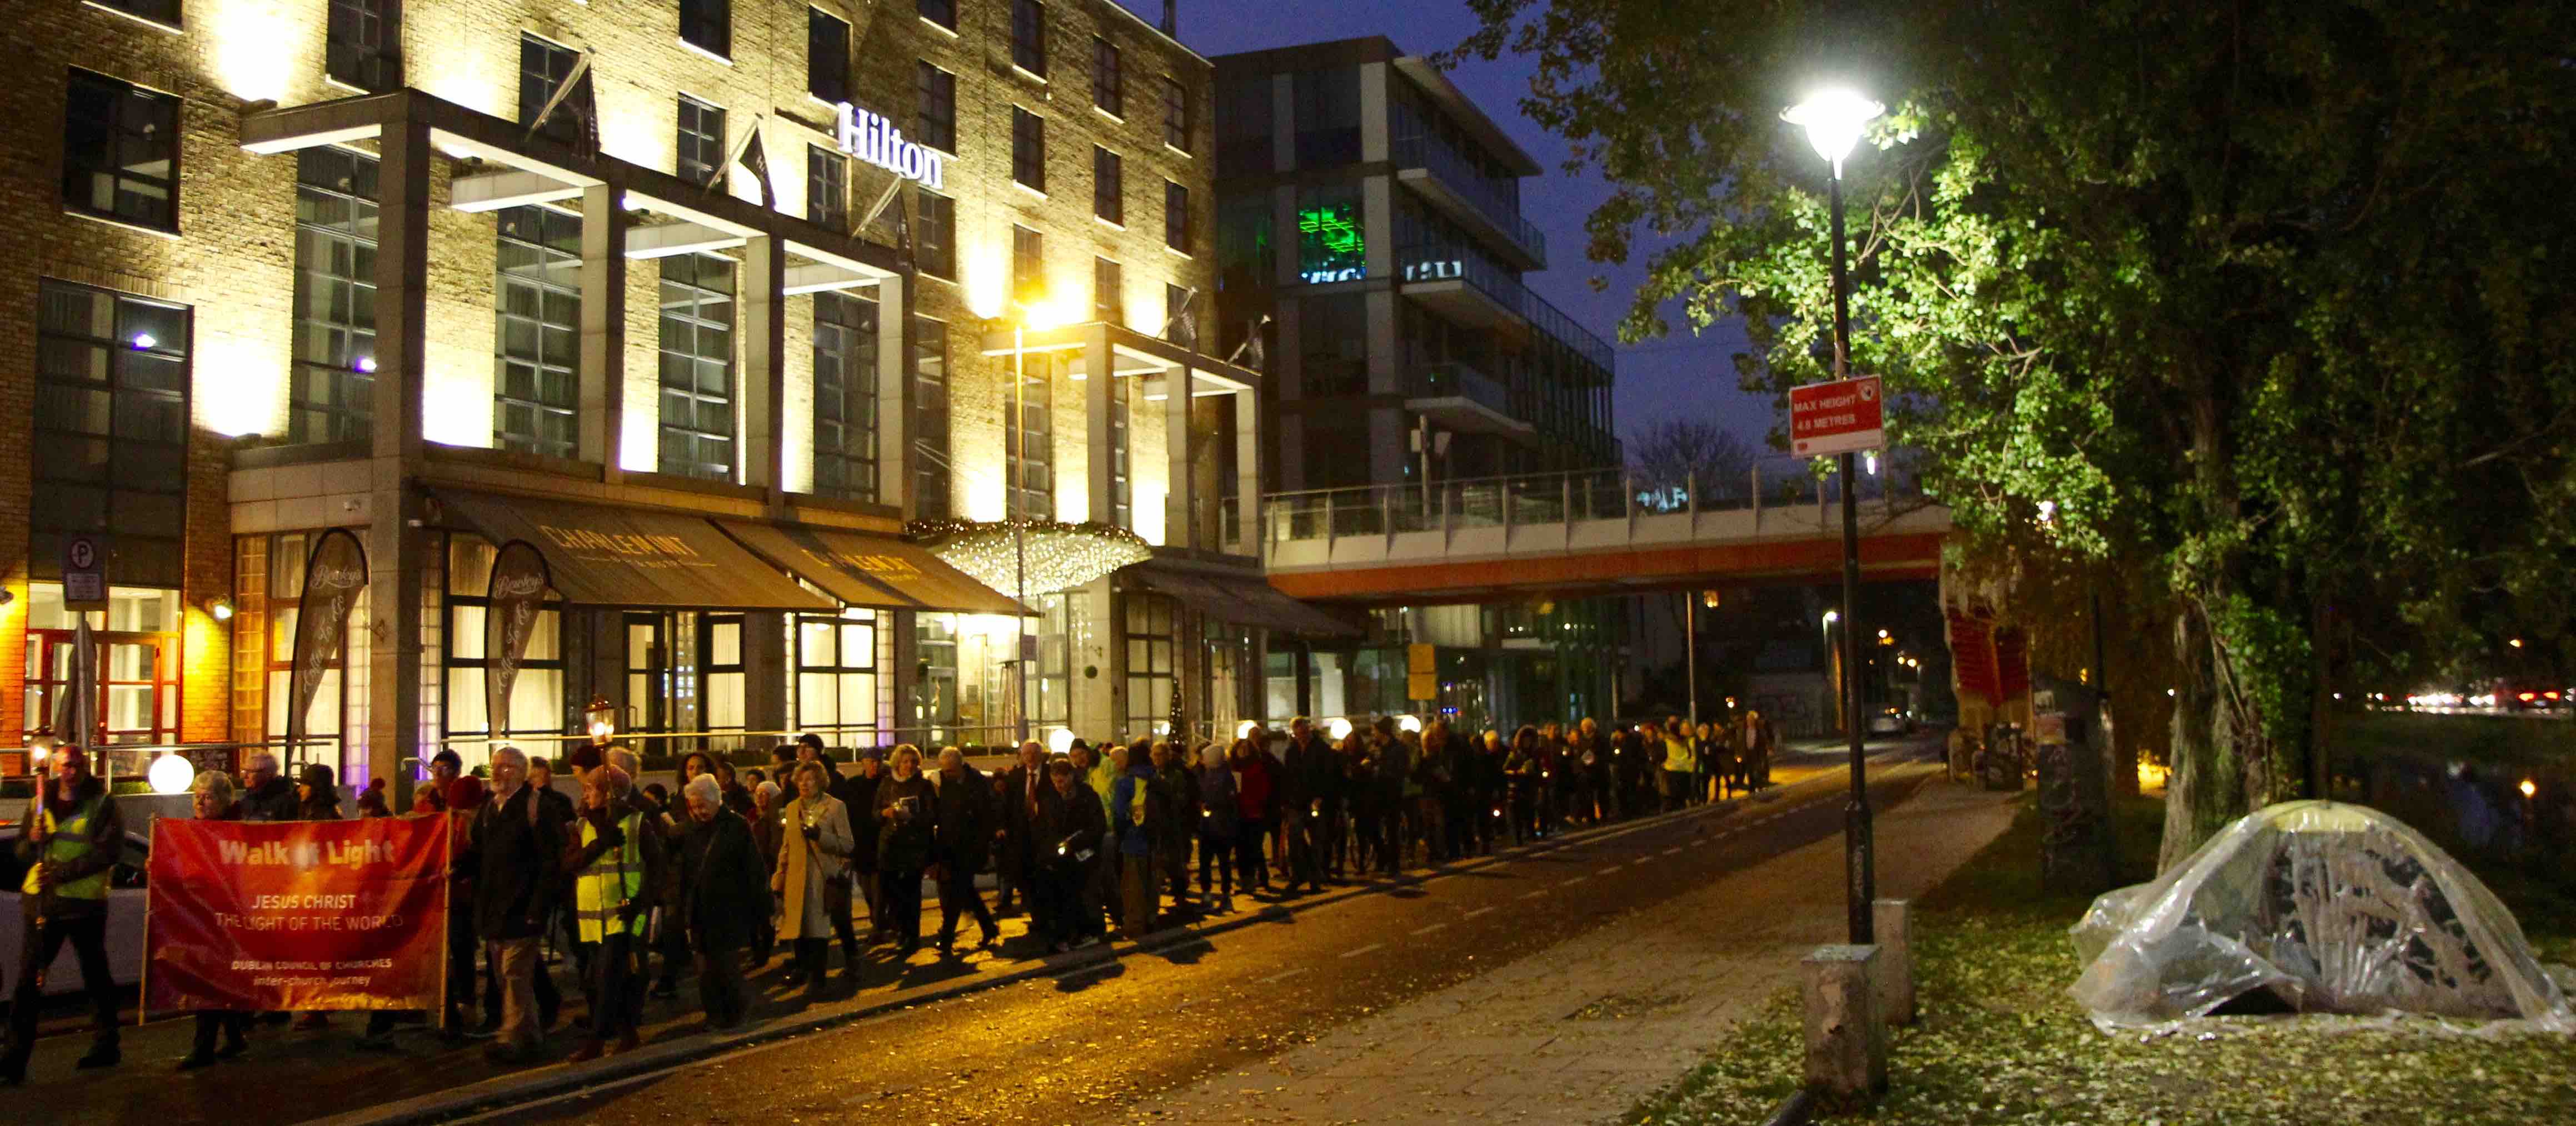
x=1016 y=469
x=602 y=717
x=1833 y=119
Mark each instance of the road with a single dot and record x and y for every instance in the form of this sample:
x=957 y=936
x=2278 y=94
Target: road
x=1090 y=1044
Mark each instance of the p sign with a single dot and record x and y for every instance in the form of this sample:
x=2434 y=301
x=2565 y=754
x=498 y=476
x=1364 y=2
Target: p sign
x=1837 y=417
x=84 y=573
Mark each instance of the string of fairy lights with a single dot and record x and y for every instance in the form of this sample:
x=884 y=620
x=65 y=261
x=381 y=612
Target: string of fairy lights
x=1061 y=555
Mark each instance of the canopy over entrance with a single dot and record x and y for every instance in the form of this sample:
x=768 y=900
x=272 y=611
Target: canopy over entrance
x=603 y=556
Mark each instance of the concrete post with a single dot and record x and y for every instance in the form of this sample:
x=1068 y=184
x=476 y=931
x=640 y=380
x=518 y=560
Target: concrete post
x=603 y=330
x=1180 y=528
x=395 y=538
x=1099 y=471
x=1247 y=473
x=1892 y=926
x=760 y=290
x=1846 y=1040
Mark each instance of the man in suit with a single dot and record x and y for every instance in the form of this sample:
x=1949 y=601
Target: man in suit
x=1014 y=831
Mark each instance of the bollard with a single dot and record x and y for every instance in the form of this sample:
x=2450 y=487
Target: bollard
x=1846 y=1041
x=1892 y=924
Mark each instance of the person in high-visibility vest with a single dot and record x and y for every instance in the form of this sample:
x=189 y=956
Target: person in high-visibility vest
x=1681 y=763
x=615 y=856
x=69 y=841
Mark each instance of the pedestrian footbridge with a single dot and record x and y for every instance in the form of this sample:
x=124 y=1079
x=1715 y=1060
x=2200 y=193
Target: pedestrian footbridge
x=1591 y=532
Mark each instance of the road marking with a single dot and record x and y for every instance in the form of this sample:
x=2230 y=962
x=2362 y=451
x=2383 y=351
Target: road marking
x=1533 y=894
x=1476 y=912
x=1429 y=929
x=1283 y=975
x=1572 y=882
x=1362 y=950
x=1670 y=851
x=1612 y=868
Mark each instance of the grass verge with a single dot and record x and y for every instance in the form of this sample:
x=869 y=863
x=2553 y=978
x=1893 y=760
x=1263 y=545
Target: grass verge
x=1998 y=1040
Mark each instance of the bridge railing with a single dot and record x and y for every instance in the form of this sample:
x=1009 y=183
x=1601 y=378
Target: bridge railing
x=1564 y=498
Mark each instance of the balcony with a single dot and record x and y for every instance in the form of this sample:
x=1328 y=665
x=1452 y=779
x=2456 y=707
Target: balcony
x=1451 y=183
x=1471 y=291
x=1455 y=396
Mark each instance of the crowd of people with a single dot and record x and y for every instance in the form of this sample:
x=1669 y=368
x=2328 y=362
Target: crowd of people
x=744 y=874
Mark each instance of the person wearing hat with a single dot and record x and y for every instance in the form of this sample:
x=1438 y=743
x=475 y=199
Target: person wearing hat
x=69 y=842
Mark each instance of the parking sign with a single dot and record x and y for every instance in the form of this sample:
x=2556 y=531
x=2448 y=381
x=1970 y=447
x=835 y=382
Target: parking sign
x=84 y=573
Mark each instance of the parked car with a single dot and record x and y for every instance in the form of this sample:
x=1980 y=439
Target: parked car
x=125 y=903
x=1891 y=721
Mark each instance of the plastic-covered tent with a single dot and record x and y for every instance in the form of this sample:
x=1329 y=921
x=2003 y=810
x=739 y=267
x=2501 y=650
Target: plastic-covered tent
x=2312 y=907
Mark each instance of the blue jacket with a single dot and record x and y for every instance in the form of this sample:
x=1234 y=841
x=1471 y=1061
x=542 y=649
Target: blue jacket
x=1133 y=839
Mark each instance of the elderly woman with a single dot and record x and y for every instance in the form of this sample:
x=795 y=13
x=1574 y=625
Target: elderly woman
x=213 y=800
x=768 y=831
x=907 y=818
x=722 y=893
x=1219 y=819
x=813 y=856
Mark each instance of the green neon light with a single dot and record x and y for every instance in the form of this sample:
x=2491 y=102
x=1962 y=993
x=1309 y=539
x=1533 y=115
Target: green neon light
x=1333 y=227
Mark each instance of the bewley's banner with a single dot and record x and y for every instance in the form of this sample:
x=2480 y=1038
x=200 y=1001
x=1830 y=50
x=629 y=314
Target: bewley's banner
x=296 y=915
x=334 y=576
x=518 y=592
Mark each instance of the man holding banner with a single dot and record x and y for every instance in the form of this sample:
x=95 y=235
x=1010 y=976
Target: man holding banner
x=69 y=845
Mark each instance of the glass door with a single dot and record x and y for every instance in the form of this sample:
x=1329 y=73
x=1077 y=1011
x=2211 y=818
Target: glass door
x=648 y=675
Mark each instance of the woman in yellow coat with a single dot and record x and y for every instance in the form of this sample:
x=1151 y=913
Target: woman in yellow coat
x=813 y=855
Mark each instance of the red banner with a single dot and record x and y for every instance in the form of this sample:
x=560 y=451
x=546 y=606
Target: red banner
x=297 y=915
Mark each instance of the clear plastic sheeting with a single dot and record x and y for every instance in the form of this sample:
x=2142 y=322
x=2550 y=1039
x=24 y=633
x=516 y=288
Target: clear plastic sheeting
x=2312 y=907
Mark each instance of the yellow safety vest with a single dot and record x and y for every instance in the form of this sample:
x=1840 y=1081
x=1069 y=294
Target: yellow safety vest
x=67 y=842
x=1678 y=756
x=612 y=879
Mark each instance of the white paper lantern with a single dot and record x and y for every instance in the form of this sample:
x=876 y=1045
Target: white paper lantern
x=172 y=774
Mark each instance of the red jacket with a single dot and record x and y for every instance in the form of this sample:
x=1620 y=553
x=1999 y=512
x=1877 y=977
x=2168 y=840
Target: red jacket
x=1252 y=788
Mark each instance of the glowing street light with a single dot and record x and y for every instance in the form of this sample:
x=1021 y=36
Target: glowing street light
x=602 y=717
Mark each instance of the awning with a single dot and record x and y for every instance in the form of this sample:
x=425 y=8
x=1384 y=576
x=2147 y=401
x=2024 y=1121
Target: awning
x=1247 y=600
x=865 y=570
x=603 y=556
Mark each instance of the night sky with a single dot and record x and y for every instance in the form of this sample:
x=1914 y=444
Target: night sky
x=1654 y=377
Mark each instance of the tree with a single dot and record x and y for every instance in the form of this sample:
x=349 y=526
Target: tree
x=2262 y=304
x=1678 y=451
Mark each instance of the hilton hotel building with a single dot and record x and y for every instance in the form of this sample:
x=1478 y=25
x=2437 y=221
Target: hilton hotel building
x=276 y=267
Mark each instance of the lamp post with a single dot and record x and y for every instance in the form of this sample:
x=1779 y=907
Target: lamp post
x=1019 y=520
x=1832 y=120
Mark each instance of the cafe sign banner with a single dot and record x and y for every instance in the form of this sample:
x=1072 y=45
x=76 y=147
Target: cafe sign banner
x=334 y=576
x=297 y=915
x=517 y=594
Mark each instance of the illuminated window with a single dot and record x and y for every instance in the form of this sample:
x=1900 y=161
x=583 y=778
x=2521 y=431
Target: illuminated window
x=701 y=144
x=1028 y=36
x=1122 y=509
x=1108 y=185
x=1108 y=78
x=827 y=188
x=935 y=236
x=139 y=655
x=1147 y=633
x=836 y=676
x=1107 y=288
x=536 y=694
x=1028 y=149
x=1028 y=265
x=1330 y=244
x=708 y=24
x=845 y=396
x=332 y=393
x=1176 y=216
x=544 y=67
x=935 y=107
x=111 y=415
x=697 y=367
x=1032 y=439
x=361 y=44
x=1176 y=115
x=539 y=345
x=930 y=470
x=827 y=56
x=121 y=152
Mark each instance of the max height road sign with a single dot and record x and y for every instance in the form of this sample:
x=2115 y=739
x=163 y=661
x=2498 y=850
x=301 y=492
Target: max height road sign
x=1836 y=417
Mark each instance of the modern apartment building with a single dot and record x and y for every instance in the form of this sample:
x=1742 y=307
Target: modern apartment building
x=704 y=299
x=1375 y=213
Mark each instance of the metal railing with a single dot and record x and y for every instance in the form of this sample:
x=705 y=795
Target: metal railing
x=1564 y=497
x=1461 y=176
x=1434 y=262
x=1461 y=380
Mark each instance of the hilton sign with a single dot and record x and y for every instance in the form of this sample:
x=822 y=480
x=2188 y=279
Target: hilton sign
x=874 y=139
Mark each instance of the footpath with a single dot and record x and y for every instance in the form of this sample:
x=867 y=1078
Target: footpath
x=322 y=1075
x=1583 y=1031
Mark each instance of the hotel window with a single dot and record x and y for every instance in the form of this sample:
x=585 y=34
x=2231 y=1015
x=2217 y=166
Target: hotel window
x=1028 y=36
x=935 y=242
x=1028 y=149
x=941 y=12
x=845 y=396
x=1122 y=507
x=163 y=12
x=930 y=473
x=361 y=44
x=1176 y=216
x=1176 y=115
x=121 y=152
x=1180 y=326
x=111 y=415
x=827 y=56
x=1148 y=636
x=1028 y=265
x=1032 y=439
x=702 y=141
x=332 y=394
x=836 y=675
x=536 y=695
x=1108 y=185
x=827 y=188
x=1108 y=78
x=697 y=367
x=708 y=24
x=539 y=353
x=543 y=69
x=140 y=654
x=1052 y=686
x=935 y=98
x=1108 y=287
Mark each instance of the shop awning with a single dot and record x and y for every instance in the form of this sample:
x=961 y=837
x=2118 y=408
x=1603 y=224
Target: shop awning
x=602 y=556
x=864 y=570
x=1247 y=600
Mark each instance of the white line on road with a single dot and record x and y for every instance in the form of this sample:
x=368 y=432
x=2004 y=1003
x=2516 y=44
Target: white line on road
x=1283 y=975
x=1532 y=894
x=1476 y=912
x=1362 y=950
x=1572 y=882
x=1429 y=929
x=1610 y=869
x=1672 y=850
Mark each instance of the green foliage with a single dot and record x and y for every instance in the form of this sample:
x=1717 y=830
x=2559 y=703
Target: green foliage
x=2267 y=304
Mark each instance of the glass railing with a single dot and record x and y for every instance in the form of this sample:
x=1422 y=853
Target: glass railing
x=1550 y=498
x=1435 y=262
x=1461 y=176
x=1459 y=380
